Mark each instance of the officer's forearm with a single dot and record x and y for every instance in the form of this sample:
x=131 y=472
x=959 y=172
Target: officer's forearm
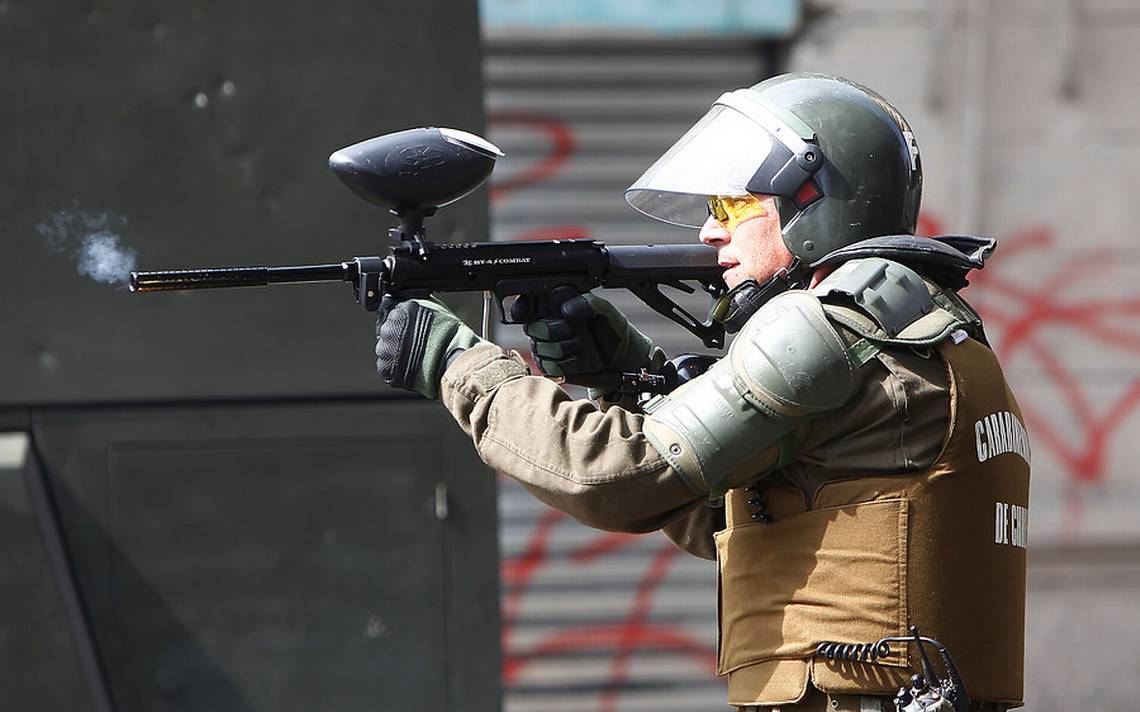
x=596 y=466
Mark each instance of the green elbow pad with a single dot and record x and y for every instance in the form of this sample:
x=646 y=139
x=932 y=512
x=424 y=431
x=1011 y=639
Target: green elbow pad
x=788 y=364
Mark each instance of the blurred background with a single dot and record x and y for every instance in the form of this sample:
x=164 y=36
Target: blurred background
x=208 y=500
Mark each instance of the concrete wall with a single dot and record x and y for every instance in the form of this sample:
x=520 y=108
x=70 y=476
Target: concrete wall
x=209 y=501
x=594 y=620
x=1027 y=115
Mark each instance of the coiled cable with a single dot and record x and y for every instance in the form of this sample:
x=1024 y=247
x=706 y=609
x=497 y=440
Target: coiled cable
x=853 y=652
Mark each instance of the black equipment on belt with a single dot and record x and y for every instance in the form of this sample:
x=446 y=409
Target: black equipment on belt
x=927 y=692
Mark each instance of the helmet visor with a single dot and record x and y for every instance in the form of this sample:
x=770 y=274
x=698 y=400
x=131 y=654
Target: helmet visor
x=717 y=156
x=743 y=145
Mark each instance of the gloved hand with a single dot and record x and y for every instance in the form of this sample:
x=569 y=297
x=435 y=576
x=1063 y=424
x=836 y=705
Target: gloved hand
x=589 y=336
x=415 y=339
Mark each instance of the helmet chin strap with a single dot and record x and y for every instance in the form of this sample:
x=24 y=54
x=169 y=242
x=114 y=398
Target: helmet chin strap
x=742 y=301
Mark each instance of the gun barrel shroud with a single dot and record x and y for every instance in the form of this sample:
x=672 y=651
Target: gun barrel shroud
x=218 y=277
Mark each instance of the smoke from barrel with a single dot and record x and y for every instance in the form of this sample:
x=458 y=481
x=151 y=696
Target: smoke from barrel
x=91 y=239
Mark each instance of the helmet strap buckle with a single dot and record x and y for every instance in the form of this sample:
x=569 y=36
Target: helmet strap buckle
x=738 y=304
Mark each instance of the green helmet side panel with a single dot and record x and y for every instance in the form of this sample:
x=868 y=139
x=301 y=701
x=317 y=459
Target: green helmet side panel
x=872 y=178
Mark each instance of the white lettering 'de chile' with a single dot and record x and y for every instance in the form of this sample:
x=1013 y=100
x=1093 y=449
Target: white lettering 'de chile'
x=1011 y=524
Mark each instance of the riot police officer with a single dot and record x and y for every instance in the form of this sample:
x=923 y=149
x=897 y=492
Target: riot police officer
x=850 y=463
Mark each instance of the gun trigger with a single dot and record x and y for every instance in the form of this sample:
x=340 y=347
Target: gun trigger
x=506 y=307
x=488 y=298
x=515 y=308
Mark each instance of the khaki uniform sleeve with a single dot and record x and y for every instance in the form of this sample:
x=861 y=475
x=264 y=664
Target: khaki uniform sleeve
x=596 y=466
x=693 y=532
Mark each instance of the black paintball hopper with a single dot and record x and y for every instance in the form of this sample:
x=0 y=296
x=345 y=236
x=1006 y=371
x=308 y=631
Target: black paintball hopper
x=417 y=169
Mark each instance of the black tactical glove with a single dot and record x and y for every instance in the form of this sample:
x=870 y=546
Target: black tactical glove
x=415 y=340
x=587 y=335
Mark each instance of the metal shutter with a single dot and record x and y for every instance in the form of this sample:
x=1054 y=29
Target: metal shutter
x=595 y=620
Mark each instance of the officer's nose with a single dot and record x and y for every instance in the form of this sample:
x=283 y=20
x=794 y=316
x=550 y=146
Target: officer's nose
x=713 y=233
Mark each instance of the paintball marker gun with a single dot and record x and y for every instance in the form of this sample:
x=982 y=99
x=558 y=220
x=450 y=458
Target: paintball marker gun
x=412 y=173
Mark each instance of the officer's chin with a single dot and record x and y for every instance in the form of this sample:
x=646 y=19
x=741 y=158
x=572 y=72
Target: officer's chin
x=733 y=276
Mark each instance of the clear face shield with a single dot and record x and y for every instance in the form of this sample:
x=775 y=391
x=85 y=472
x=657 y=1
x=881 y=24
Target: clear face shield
x=742 y=145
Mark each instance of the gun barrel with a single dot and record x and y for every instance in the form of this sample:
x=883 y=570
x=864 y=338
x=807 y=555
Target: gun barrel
x=219 y=277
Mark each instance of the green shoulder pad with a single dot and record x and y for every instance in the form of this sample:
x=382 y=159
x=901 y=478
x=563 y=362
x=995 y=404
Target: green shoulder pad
x=791 y=361
x=890 y=293
x=888 y=303
x=787 y=365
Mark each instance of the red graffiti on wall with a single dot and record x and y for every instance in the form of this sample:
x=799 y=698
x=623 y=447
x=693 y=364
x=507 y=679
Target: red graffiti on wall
x=622 y=639
x=1016 y=316
x=554 y=130
x=636 y=631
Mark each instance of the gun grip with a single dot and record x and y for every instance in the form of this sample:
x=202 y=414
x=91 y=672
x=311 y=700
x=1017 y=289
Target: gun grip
x=562 y=302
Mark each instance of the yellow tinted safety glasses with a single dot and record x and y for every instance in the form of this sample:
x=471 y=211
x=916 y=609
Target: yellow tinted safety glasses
x=730 y=211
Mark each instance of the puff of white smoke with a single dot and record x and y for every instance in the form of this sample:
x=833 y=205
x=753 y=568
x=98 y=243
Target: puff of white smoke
x=89 y=239
x=103 y=259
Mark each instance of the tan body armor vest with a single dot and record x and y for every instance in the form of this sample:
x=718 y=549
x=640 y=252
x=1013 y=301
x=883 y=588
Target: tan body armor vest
x=943 y=549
